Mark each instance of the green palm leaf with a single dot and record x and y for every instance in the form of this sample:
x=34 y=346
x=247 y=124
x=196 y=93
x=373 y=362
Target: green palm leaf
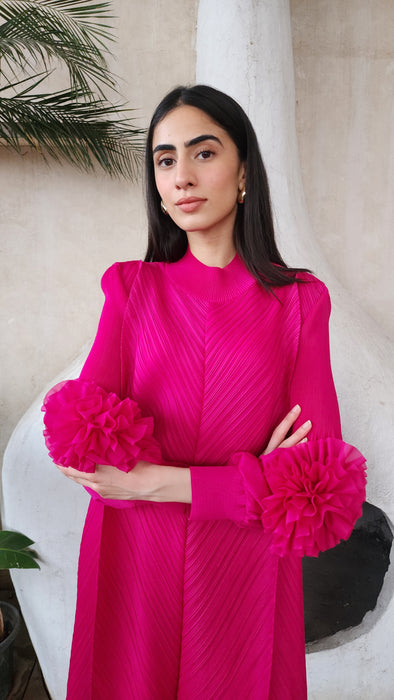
x=79 y=123
x=45 y=30
x=83 y=133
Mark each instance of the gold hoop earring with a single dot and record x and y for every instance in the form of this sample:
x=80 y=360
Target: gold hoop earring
x=163 y=207
x=241 y=197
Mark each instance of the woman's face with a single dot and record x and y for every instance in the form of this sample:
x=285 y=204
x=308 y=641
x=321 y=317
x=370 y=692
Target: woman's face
x=198 y=172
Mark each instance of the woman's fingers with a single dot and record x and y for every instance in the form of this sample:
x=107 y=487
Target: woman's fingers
x=278 y=437
x=300 y=435
x=84 y=478
x=110 y=482
x=282 y=429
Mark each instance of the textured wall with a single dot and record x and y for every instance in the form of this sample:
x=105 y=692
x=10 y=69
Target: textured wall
x=60 y=229
x=344 y=80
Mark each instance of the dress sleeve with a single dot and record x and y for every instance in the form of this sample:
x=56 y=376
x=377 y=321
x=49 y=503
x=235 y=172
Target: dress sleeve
x=312 y=386
x=86 y=420
x=310 y=495
x=103 y=364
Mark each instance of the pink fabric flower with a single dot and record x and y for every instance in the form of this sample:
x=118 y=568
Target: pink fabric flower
x=86 y=425
x=309 y=496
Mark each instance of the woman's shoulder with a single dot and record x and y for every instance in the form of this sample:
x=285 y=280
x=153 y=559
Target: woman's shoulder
x=302 y=283
x=120 y=276
x=304 y=293
x=310 y=278
x=311 y=291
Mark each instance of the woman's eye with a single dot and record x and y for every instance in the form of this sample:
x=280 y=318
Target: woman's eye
x=165 y=162
x=205 y=154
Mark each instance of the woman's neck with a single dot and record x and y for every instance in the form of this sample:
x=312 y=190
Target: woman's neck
x=211 y=252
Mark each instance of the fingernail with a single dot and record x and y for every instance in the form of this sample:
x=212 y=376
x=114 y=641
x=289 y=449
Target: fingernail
x=296 y=408
x=307 y=424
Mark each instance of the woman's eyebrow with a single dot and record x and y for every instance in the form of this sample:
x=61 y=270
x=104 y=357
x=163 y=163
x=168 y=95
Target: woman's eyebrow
x=188 y=144
x=204 y=137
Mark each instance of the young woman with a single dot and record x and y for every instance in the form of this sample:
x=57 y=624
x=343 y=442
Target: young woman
x=190 y=569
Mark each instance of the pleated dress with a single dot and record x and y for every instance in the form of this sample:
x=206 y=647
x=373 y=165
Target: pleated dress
x=194 y=602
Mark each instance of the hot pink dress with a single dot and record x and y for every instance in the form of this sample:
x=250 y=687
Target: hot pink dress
x=187 y=602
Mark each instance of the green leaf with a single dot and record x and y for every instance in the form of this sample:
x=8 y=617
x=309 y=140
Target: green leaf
x=77 y=124
x=47 y=30
x=85 y=133
x=14 y=552
x=17 y=560
x=14 y=540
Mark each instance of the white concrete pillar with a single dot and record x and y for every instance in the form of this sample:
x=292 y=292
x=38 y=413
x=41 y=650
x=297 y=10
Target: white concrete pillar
x=244 y=48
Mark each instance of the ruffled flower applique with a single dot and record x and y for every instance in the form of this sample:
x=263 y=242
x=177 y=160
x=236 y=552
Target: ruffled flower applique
x=86 y=425
x=308 y=496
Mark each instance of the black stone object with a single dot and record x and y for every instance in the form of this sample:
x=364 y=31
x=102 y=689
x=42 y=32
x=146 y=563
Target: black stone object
x=342 y=584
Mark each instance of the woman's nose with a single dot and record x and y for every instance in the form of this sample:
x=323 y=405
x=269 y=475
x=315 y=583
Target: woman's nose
x=185 y=175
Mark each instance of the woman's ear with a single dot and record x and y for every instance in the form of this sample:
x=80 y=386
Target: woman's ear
x=242 y=177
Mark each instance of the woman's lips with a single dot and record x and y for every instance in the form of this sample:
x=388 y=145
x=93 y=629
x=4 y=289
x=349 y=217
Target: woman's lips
x=189 y=204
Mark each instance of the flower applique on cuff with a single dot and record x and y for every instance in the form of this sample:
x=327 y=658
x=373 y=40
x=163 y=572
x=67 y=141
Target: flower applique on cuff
x=308 y=496
x=86 y=425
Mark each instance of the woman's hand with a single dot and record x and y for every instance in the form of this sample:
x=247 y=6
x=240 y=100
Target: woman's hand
x=146 y=482
x=109 y=482
x=278 y=437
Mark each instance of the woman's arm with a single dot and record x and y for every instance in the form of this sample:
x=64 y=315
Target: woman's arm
x=252 y=489
x=75 y=410
x=312 y=388
x=145 y=482
x=164 y=483
x=214 y=491
x=309 y=494
x=103 y=364
x=312 y=384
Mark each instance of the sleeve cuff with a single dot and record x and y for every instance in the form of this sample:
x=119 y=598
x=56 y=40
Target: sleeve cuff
x=217 y=493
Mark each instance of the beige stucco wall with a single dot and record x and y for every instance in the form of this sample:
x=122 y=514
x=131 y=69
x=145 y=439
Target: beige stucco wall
x=344 y=61
x=60 y=229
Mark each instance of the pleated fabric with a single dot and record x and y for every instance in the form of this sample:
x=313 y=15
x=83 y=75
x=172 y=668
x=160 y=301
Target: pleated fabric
x=172 y=604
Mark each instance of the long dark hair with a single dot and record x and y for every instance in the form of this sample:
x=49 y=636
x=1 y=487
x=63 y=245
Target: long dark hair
x=254 y=236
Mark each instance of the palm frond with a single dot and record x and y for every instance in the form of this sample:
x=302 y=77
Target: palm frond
x=74 y=31
x=84 y=133
x=79 y=123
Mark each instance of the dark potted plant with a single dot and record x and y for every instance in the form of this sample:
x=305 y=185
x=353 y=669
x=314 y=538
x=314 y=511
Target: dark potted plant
x=15 y=552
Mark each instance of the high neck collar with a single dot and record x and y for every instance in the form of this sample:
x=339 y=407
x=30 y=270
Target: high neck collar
x=210 y=283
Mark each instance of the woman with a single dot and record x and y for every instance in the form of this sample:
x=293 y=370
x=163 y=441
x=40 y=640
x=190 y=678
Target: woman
x=190 y=570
